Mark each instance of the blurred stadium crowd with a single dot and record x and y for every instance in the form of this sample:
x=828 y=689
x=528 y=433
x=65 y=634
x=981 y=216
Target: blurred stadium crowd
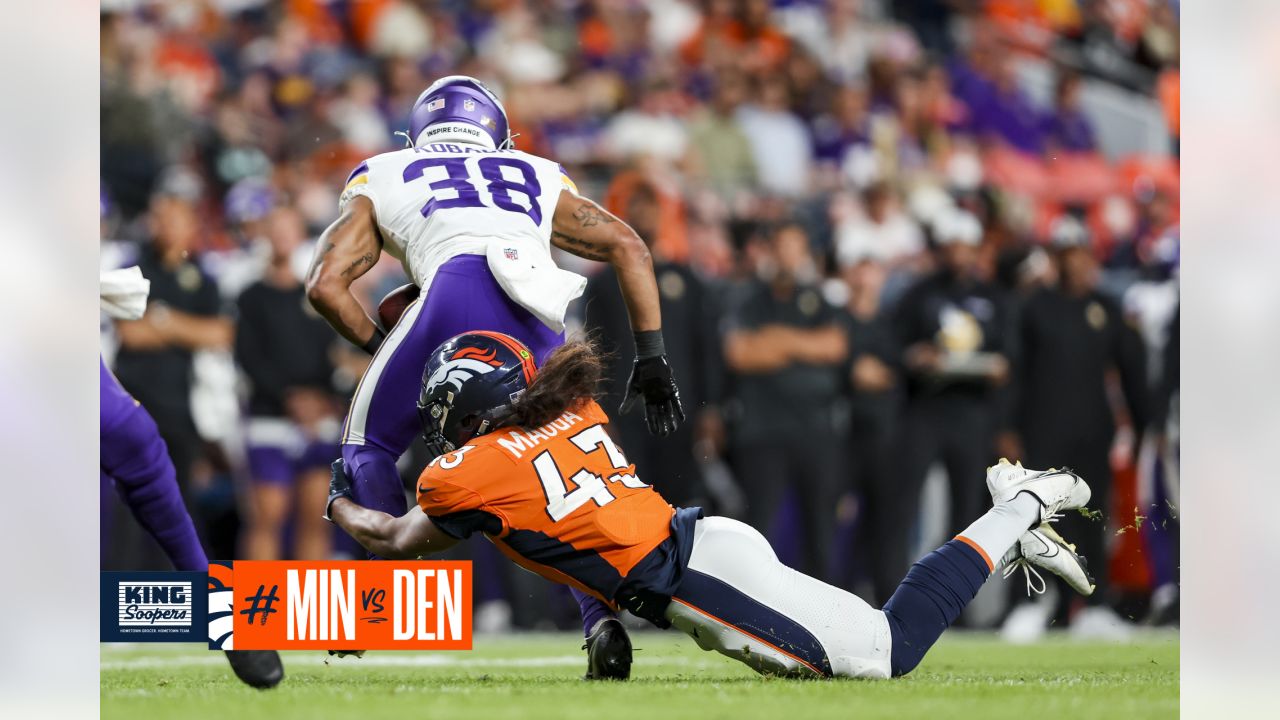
x=894 y=241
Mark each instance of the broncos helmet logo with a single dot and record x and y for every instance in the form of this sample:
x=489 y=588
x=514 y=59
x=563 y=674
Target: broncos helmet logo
x=488 y=356
x=457 y=371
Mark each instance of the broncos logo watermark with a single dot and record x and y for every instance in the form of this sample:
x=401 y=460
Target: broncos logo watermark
x=221 y=600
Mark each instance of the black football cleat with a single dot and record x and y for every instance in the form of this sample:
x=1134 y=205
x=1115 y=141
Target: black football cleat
x=257 y=668
x=608 y=651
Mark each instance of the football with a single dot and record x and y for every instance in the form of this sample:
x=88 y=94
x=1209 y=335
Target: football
x=393 y=305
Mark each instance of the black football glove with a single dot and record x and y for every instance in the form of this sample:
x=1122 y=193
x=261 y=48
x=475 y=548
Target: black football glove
x=651 y=378
x=339 y=486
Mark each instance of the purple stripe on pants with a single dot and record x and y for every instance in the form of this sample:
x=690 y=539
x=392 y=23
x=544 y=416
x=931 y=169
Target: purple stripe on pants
x=135 y=459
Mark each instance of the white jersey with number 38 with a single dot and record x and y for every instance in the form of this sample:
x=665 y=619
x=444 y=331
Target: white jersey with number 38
x=441 y=200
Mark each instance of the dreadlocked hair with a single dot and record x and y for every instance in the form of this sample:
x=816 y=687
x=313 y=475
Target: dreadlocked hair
x=568 y=378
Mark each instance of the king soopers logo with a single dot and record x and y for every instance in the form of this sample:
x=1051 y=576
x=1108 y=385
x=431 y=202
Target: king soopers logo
x=155 y=604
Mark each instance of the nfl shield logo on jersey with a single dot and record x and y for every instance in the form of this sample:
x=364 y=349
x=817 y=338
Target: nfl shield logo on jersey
x=511 y=254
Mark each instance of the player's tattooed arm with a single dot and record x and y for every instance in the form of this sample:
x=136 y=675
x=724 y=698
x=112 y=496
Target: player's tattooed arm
x=325 y=244
x=408 y=536
x=346 y=250
x=578 y=246
x=582 y=227
x=364 y=261
x=589 y=214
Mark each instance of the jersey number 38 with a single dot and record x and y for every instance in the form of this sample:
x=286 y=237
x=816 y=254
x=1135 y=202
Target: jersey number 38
x=496 y=178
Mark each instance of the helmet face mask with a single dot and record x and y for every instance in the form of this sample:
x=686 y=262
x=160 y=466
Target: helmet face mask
x=468 y=388
x=433 y=417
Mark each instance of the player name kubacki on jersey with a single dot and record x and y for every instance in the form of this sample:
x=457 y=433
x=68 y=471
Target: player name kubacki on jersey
x=400 y=605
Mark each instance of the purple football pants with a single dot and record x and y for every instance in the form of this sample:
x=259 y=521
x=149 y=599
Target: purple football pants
x=135 y=460
x=383 y=418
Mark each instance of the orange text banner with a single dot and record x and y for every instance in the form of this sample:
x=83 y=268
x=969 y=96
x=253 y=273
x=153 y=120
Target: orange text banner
x=362 y=605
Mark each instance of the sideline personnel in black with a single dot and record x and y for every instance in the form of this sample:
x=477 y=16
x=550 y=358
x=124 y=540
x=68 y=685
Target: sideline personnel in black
x=184 y=315
x=689 y=328
x=953 y=330
x=787 y=348
x=1072 y=336
x=285 y=349
x=875 y=413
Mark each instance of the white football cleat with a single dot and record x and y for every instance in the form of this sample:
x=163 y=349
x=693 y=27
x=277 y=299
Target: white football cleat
x=1057 y=490
x=1045 y=548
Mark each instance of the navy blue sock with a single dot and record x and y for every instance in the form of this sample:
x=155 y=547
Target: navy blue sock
x=930 y=598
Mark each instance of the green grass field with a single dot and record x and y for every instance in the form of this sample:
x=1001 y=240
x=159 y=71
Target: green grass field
x=536 y=676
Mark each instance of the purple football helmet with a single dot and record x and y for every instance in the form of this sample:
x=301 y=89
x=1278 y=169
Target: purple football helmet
x=460 y=100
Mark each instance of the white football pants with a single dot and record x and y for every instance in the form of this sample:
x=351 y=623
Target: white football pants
x=737 y=598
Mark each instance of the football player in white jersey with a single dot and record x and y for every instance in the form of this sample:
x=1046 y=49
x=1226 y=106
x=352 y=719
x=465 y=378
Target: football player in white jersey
x=472 y=221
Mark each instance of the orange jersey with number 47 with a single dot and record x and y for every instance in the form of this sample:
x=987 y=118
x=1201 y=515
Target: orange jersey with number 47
x=561 y=500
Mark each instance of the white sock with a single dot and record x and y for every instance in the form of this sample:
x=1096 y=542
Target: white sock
x=994 y=533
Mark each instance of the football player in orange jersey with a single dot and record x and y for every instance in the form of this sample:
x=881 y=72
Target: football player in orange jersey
x=523 y=456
